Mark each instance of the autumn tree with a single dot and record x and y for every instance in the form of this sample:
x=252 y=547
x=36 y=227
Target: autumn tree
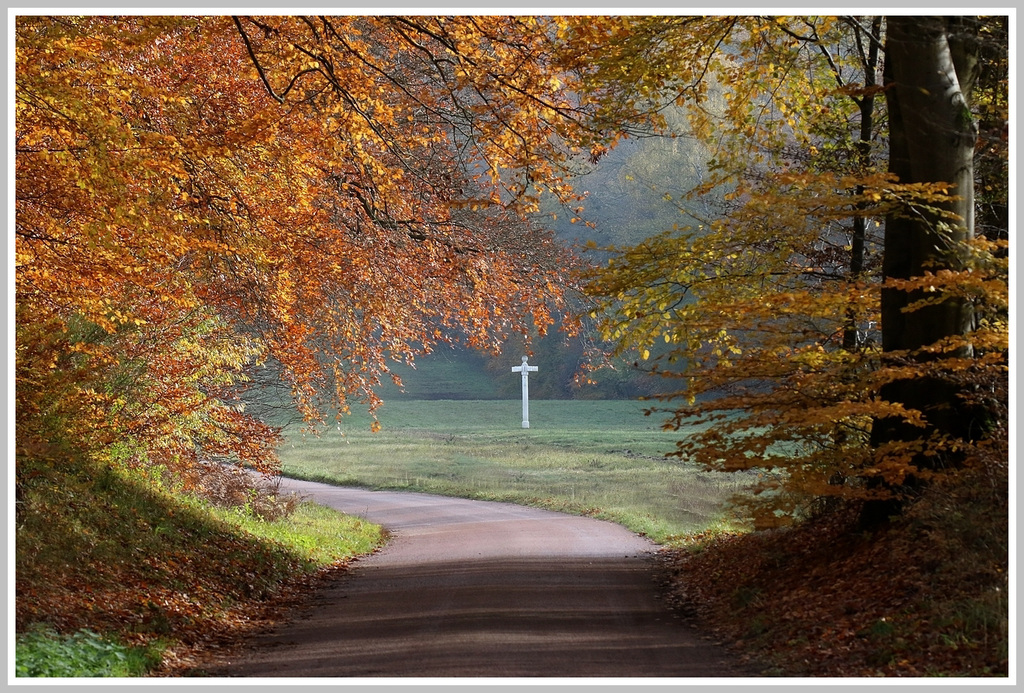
x=201 y=199
x=770 y=309
x=117 y=352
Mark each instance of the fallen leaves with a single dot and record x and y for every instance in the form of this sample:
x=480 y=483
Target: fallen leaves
x=918 y=598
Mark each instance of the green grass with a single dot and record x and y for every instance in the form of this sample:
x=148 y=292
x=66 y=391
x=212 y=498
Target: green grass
x=594 y=457
x=42 y=652
x=318 y=534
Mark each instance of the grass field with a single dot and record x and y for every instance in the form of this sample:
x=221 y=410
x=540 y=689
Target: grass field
x=601 y=458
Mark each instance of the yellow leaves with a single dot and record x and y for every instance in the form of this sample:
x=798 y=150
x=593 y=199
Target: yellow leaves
x=774 y=319
x=985 y=286
x=762 y=331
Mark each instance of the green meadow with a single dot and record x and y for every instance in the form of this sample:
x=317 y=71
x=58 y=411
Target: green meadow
x=602 y=458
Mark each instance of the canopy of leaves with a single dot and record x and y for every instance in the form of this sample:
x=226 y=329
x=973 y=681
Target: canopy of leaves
x=203 y=200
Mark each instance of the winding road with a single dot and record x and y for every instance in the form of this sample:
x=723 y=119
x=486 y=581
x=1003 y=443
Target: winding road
x=480 y=589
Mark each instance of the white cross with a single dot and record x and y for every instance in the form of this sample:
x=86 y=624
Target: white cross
x=525 y=370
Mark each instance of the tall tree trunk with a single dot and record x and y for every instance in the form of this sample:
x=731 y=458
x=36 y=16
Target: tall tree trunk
x=932 y=139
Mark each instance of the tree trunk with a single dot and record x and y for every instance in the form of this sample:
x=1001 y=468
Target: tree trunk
x=866 y=108
x=932 y=139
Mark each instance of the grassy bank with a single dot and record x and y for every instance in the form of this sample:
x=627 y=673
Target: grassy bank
x=598 y=458
x=115 y=573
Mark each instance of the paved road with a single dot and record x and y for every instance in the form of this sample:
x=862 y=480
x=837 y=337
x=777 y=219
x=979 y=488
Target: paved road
x=478 y=589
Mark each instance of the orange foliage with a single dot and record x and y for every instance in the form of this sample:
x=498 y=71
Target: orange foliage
x=197 y=196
